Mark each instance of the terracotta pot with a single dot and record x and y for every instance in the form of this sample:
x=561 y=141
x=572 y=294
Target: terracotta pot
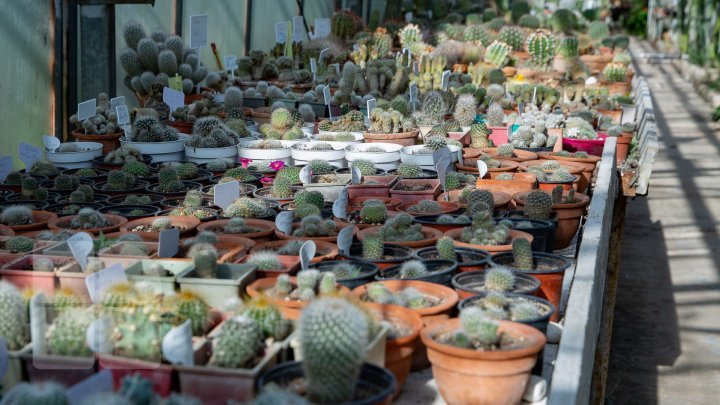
x=398 y=253
x=64 y=370
x=361 y=226
x=261 y=115
x=430 y=237
x=6 y=231
x=186 y=224
x=160 y=375
x=580 y=183
x=445 y=208
x=623 y=145
x=469 y=166
x=357 y=202
x=568 y=217
x=520 y=182
x=289 y=265
x=509 y=71
x=550 y=275
x=455 y=236
x=324 y=250
x=471 y=283
x=472 y=377
x=372 y=190
x=588 y=163
x=109 y=142
x=415 y=196
x=431 y=222
x=264 y=233
x=184 y=127
x=518 y=155
x=621 y=88
x=500 y=199
x=16 y=273
x=403 y=138
x=64 y=223
x=499 y=135
x=41 y=219
x=330 y=239
x=290 y=309
x=399 y=351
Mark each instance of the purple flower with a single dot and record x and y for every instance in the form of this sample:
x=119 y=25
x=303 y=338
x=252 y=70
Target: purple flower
x=277 y=165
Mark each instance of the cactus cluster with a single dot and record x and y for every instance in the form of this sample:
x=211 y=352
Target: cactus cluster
x=119 y=180
x=538 y=205
x=401 y=228
x=408 y=170
x=390 y=121
x=149 y=129
x=373 y=247
x=310 y=197
x=314 y=225
x=67 y=334
x=615 y=72
x=453 y=219
x=122 y=155
x=88 y=218
x=238 y=344
x=104 y=121
x=513 y=36
x=527 y=136
x=353 y=121
x=211 y=132
x=425 y=207
x=310 y=284
x=149 y=61
x=485 y=232
x=246 y=207
x=434 y=108
x=408 y=297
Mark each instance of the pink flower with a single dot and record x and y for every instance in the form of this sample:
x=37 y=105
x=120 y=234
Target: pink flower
x=245 y=162
x=277 y=165
x=267 y=180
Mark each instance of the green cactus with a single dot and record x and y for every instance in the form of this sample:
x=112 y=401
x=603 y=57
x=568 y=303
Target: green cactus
x=413 y=269
x=500 y=279
x=497 y=53
x=247 y=207
x=465 y=109
x=304 y=210
x=373 y=213
x=408 y=170
x=137 y=390
x=66 y=182
x=538 y=205
x=43 y=168
x=615 y=72
x=334 y=335
x=67 y=334
x=310 y=197
x=598 y=30
x=425 y=207
x=88 y=218
x=373 y=247
x=446 y=249
x=265 y=260
x=205 y=260
x=524 y=311
x=541 y=47
x=321 y=167
x=45 y=393
x=529 y=21
x=478 y=330
x=279 y=396
x=19 y=244
x=119 y=180
x=568 y=46
x=522 y=254
x=13 y=317
x=15 y=215
x=367 y=168
x=563 y=20
x=137 y=169
x=476 y=33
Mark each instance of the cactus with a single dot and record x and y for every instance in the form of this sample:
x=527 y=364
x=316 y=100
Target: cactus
x=88 y=218
x=268 y=317
x=477 y=34
x=278 y=396
x=598 y=30
x=373 y=213
x=314 y=225
x=13 y=317
x=16 y=215
x=310 y=197
x=478 y=331
x=541 y=47
x=615 y=72
x=529 y=21
x=238 y=344
x=45 y=393
x=19 y=244
x=205 y=260
x=522 y=254
x=66 y=335
x=321 y=167
x=345 y=271
x=367 y=168
x=333 y=334
x=538 y=205
x=465 y=109
x=568 y=47
x=500 y=279
x=247 y=207
x=513 y=36
x=265 y=260
x=373 y=247
x=413 y=269
x=497 y=53
x=425 y=207
x=446 y=249
x=524 y=311
x=495 y=115
x=118 y=181
x=479 y=136
x=563 y=20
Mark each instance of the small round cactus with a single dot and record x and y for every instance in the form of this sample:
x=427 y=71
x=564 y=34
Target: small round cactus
x=265 y=260
x=373 y=213
x=373 y=247
x=524 y=311
x=446 y=248
x=538 y=205
x=205 y=259
x=19 y=244
x=310 y=197
x=500 y=279
x=15 y=215
x=367 y=168
x=160 y=224
x=413 y=269
x=47 y=393
x=239 y=342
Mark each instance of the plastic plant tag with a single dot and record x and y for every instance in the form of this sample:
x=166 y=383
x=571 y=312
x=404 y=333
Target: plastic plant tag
x=86 y=109
x=441 y=154
x=198 y=31
x=226 y=193
x=339 y=207
x=51 y=143
x=355 y=175
x=38 y=323
x=461 y=162
x=280 y=32
x=305 y=175
x=521 y=107
x=81 y=244
x=445 y=79
x=283 y=222
x=230 y=62
x=416 y=67
x=99 y=335
x=116 y=102
x=95 y=385
x=482 y=168
x=123 y=116
x=175 y=83
x=173 y=98
x=298 y=28
x=328 y=99
x=442 y=169
x=98 y=282
x=371 y=106
x=3 y=357
x=323 y=54
x=177 y=345
x=344 y=239
x=29 y=154
x=408 y=16
x=534 y=95
x=322 y=27
x=307 y=252
x=6 y=166
x=168 y=243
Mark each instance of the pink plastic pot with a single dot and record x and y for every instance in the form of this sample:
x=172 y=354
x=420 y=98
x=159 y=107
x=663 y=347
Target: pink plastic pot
x=591 y=146
x=499 y=135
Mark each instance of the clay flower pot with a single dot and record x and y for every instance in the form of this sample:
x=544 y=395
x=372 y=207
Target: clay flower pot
x=372 y=190
x=576 y=169
x=290 y=309
x=115 y=222
x=332 y=239
x=445 y=208
x=520 y=182
x=469 y=166
x=545 y=308
x=393 y=254
x=415 y=196
x=20 y=273
x=323 y=250
x=109 y=141
x=430 y=237
x=472 y=377
x=431 y=222
x=399 y=351
x=264 y=233
x=568 y=217
x=402 y=138
x=288 y=265
x=513 y=234
x=185 y=224
x=519 y=155
x=357 y=202
x=41 y=220
x=353 y=217
x=500 y=199
x=473 y=282
x=549 y=271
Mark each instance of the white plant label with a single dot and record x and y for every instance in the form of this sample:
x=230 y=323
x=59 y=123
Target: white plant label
x=98 y=282
x=323 y=54
x=86 y=109
x=226 y=193
x=198 y=31
x=534 y=95
x=408 y=16
x=123 y=116
x=305 y=175
x=6 y=166
x=116 y=102
x=168 y=243
x=445 y=79
x=177 y=345
x=328 y=99
x=371 y=106
x=345 y=238
x=298 y=28
x=307 y=252
x=29 y=154
x=230 y=62
x=413 y=95
x=313 y=67
x=51 y=143
x=521 y=107
x=99 y=335
x=355 y=175
x=81 y=245
x=283 y=222
x=173 y=98
x=3 y=357
x=416 y=67
x=336 y=66
x=409 y=55
x=280 y=32
x=482 y=169
x=339 y=207
x=95 y=385
x=322 y=27
x=38 y=323
x=460 y=158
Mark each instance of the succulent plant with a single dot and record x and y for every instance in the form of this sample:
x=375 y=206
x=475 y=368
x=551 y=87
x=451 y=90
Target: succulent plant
x=67 y=334
x=310 y=197
x=373 y=213
x=538 y=205
x=541 y=47
x=119 y=180
x=211 y=132
x=425 y=207
x=446 y=249
x=484 y=231
x=16 y=215
x=88 y=218
x=46 y=392
x=497 y=53
x=408 y=170
x=401 y=228
x=19 y=244
x=238 y=344
x=268 y=316
x=314 y=225
x=373 y=247
x=247 y=207
x=204 y=258
x=413 y=269
x=265 y=260
x=478 y=331
x=615 y=72
x=43 y=168
x=500 y=279
x=13 y=317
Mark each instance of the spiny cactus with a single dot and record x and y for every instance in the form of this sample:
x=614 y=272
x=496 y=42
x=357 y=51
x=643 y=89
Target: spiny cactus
x=46 y=393
x=334 y=335
x=13 y=317
x=16 y=215
x=541 y=47
x=247 y=207
x=279 y=396
x=310 y=197
x=67 y=334
x=408 y=170
x=19 y=244
x=239 y=342
x=43 y=168
x=425 y=207
x=88 y=218
x=314 y=225
x=615 y=72
x=538 y=205
x=321 y=167
x=265 y=260
x=373 y=213
x=373 y=247
x=522 y=254
x=366 y=167
x=205 y=260
x=268 y=317
x=500 y=279
x=401 y=228
x=513 y=36
x=465 y=109
x=119 y=180
x=497 y=53
x=478 y=331
x=413 y=269
x=446 y=249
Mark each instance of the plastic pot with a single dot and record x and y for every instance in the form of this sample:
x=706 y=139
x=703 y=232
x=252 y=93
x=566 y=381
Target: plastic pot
x=467 y=259
x=513 y=234
x=368 y=271
x=125 y=211
x=540 y=323
x=396 y=253
x=473 y=282
x=441 y=272
x=543 y=232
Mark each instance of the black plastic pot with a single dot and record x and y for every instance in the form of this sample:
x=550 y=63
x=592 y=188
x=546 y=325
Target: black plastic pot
x=256 y=181
x=120 y=199
x=427 y=174
x=100 y=163
x=441 y=272
x=467 y=259
x=549 y=263
x=368 y=271
x=426 y=220
x=102 y=174
x=189 y=185
x=138 y=188
x=124 y=211
x=473 y=282
x=52 y=197
x=543 y=235
x=378 y=382
x=4 y=194
x=50 y=184
x=400 y=253
x=346 y=170
x=61 y=209
x=536 y=150
x=539 y=323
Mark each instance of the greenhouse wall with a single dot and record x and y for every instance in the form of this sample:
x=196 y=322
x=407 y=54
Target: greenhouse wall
x=26 y=86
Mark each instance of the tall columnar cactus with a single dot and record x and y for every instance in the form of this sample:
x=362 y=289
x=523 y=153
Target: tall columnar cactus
x=541 y=47
x=46 y=393
x=538 y=205
x=239 y=342
x=334 y=335
x=568 y=46
x=373 y=247
x=446 y=248
x=513 y=36
x=522 y=254
x=13 y=317
x=497 y=53
x=479 y=136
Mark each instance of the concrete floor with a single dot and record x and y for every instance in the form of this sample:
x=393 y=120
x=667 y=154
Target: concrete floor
x=666 y=336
